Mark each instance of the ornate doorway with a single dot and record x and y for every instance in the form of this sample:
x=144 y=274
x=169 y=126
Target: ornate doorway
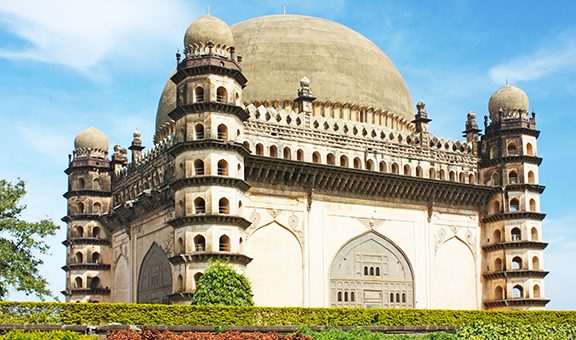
x=371 y=271
x=155 y=279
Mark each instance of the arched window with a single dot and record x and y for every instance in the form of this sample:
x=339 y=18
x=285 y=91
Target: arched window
x=81 y=183
x=259 y=149
x=512 y=150
x=80 y=207
x=357 y=163
x=300 y=155
x=222 y=132
x=96 y=232
x=246 y=145
x=199 y=243
x=79 y=231
x=274 y=151
x=516 y=234
x=370 y=165
x=224 y=243
x=316 y=158
x=391 y=297
x=79 y=257
x=419 y=172
x=345 y=296
x=397 y=297
x=516 y=263
x=432 y=173
x=514 y=204
x=497 y=236
x=532 y=204
x=344 y=161
x=495 y=179
x=366 y=270
x=180 y=246
x=371 y=271
x=382 y=167
x=199 y=205
x=95 y=283
x=78 y=282
x=197 y=277
x=499 y=293
x=199 y=94
x=529 y=150
x=352 y=298
x=223 y=206
x=461 y=178
x=493 y=152
x=221 y=95
x=534 y=234
x=199 y=131
x=330 y=159
x=403 y=297
x=339 y=296
x=287 y=153
x=535 y=263
x=442 y=174
x=222 y=168
x=96 y=257
x=395 y=169
x=96 y=184
x=471 y=179
x=536 y=292
x=517 y=292
x=180 y=210
x=531 y=179
x=498 y=264
x=407 y=170
x=199 y=167
x=180 y=284
x=96 y=208
x=377 y=271
x=513 y=177
x=452 y=176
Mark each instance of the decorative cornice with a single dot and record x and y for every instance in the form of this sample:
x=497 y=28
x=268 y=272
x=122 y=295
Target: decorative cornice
x=182 y=110
x=209 y=65
x=516 y=215
x=339 y=181
x=222 y=181
x=85 y=241
x=86 y=291
x=511 y=128
x=516 y=245
x=536 y=188
x=146 y=203
x=210 y=219
x=536 y=274
x=87 y=192
x=518 y=302
x=207 y=256
x=90 y=164
x=510 y=159
x=85 y=266
x=208 y=144
x=83 y=217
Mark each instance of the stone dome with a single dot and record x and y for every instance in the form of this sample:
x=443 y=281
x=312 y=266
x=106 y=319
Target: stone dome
x=91 y=138
x=166 y=103
x=507 y=98
x=208 y=28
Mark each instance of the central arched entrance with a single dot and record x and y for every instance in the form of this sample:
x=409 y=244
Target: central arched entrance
x=371 y=271
x=155 y=279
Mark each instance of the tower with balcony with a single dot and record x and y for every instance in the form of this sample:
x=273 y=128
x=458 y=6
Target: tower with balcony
x=512 y=233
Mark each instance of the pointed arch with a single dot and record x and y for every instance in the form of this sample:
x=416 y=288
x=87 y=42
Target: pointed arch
x=155 y=277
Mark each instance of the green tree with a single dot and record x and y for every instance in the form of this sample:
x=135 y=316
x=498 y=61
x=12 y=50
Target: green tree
x=20 y=243
x=221 y=285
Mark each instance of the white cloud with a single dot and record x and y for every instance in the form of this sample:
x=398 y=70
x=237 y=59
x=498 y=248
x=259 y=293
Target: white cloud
x=80 y=33
x=553 y=57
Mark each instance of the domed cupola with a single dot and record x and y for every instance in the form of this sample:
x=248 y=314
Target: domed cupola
x=205 y=30
x=508 y=102
x=91 y=139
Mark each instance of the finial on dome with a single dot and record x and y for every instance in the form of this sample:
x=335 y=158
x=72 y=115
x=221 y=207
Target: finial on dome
x=178 y=57
x=305 y=89
x=508 y=102
x=305 y=97
x=205 y=29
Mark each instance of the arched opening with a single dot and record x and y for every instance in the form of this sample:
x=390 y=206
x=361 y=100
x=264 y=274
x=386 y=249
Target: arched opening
x=274 y=151
x=532 y=204
x=452 y=176
x=197 y=277
x=535 y=263
x=517 y=292
x=512 y=177
x=531 y=179
x=330 y=159
x=96 y=184
x=461 y=178
x=224 y=243
x=316 y=157
x=300 y=155
x=407 y=170
x=81 y=183
x=199 y=94
x=442 y=174
x=498 y=264
x=395 y=169
x=287 y=153
x=155 y=277
x=403 y=297
x=95 y=282
x=516 y=263
x=199 y=167
x=516 y=234
x=471 y=179
x=259 y=149
x=339 y=296
x=78 y=283
x=95 y=257
x=80 y=207
x=514 y=205
x=79 y=231
x=536 y=292
x=512 y=149
x=419 y=172
x=223 y=206
x=382 y=167
x=246 y=145
x=222 y=132
x=199 y=205
x=432 y=173
x=371 y=271
x=222 y=168
x=180 y=284
x=493 y=152
x=180 y=246
x=391 y=297
x=366 y=270
x=370 y=165
x=199 y=243
x=221 y=95
x=534 y=234
x=377 y=271
x=397 y=297
x=352 y=297
x=357 y=163
x=345 y=296
x=79 y=257
x=180 y=210
x=96 y=208
x=499 y=292
x=344 y=161
x=497 y=236
x=96 y=232
x=495 y=179
x=529 y=149
x=199 y=131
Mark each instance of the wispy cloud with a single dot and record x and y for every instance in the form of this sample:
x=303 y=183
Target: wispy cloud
x=44 y=142
x=81 y=33
x=553 y=57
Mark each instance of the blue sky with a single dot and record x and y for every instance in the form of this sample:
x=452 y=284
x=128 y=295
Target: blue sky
x=69 y=64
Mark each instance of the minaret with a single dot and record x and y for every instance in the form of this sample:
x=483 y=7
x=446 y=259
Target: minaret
x=512 y=232
x=209 y=181
x=89 y=198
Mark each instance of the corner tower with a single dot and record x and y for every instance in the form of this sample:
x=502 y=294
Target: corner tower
x=209 y=181
x=89 y=198
x=512 y=240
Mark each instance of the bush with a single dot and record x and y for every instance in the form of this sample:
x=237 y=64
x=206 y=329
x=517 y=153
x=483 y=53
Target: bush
x=39 y=335
x=221 y=285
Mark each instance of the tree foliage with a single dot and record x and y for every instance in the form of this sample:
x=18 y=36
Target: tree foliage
x=221 y=285
x=20 y=243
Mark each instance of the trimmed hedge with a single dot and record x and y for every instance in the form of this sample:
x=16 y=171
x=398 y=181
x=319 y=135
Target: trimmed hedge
x=142 y=314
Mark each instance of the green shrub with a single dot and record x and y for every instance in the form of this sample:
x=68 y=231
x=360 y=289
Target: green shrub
x=51 y=335
x=221 y=285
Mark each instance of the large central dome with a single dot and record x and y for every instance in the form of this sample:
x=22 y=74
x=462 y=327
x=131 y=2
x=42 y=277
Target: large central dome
x=342 y=65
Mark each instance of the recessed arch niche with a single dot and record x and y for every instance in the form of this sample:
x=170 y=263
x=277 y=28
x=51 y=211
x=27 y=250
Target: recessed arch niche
x=155 y=279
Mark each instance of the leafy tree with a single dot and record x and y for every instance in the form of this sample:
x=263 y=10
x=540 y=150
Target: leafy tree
x=20 y=242
x=221 y=285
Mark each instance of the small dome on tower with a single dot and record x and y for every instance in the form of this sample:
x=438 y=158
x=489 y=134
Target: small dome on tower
x=205 y=29
x=507 y=98
x=91 y=138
